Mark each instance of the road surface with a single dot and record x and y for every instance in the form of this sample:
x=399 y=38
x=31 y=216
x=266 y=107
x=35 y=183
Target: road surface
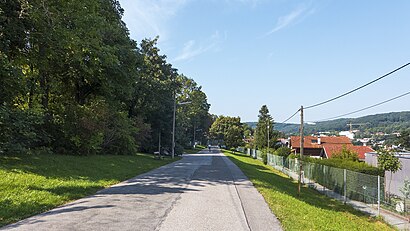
x=204 y=191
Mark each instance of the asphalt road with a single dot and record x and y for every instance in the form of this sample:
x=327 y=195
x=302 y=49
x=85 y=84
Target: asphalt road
x=203 y=191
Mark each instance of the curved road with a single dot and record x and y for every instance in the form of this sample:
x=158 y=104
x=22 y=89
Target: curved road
x=204 y=191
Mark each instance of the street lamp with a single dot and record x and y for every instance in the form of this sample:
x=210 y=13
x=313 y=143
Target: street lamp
x=173 y=124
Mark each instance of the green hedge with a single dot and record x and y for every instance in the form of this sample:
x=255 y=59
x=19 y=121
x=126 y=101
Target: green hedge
x=356 y=166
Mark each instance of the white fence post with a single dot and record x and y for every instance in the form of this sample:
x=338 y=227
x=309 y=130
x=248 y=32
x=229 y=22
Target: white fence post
x=345 y=185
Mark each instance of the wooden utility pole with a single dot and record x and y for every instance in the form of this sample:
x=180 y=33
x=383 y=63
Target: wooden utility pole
x=301 y=150
x=159 y=144
x=268 y=137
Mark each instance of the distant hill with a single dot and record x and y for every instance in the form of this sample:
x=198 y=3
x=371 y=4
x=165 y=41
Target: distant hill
x=387 y=122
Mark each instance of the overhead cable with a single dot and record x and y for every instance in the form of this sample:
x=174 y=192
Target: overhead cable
x=356 y=89
x=374 y=105
x=291 y=116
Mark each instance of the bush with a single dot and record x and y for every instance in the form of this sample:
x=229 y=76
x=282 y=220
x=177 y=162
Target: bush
x=264 y=155
x=283 y=151
x=20 y=130
x=356 y=166
x=346 y=154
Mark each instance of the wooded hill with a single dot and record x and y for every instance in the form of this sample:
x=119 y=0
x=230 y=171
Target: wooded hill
x=386 y=122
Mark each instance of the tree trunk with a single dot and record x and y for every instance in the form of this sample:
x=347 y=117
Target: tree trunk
x=44 y=81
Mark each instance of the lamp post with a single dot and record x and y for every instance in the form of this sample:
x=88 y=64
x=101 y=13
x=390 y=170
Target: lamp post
x=173 y=124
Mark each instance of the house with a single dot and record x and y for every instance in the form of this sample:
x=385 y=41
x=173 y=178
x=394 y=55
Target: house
x=313 y=145
x=330 y=149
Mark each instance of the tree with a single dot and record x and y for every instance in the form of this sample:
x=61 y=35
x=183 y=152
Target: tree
x=388 y=162
x=346 y=154
x=192 y=118
x=228 y=130
x=404 y=139
x=265 y=123
x=74 y=82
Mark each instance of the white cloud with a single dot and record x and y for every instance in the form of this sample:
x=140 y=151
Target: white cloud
x=148 y=18
x=289 y=19
x=191 y=49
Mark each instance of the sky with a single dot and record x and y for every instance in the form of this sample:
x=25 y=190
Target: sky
x=282 y=53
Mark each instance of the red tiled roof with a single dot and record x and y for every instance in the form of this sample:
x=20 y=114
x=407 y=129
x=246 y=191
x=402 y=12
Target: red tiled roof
x=311 y=141
x=331 y=149
x=361 y=150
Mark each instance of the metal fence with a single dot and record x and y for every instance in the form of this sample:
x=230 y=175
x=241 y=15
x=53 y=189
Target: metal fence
x=348 y=184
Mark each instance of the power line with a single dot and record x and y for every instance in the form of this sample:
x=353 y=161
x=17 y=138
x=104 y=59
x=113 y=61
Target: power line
x=291 y=117
x=356 y=89
x=374 y=105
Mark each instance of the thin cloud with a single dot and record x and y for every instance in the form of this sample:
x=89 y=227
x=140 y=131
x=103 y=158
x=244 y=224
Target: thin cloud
x=148 y=18
x=288 y=19
x=191 y=49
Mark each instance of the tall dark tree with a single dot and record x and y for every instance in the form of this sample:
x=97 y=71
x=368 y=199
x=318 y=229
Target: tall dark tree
x=265 y=123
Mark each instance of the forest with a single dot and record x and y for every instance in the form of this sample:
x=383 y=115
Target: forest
x=72 y=81
x=386 y=122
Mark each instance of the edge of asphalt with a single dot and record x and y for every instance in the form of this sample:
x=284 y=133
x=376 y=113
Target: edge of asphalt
x=257 y=212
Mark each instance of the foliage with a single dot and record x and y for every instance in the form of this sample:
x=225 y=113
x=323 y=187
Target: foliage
x=346 y=154
x=264 y=156
x=283 y=151
x=193 y=119
x=405 y=190
x=387 y=161
x=80 y=89
x=32 y=184
x=228 y=130
x=20 y=130
x=355 y=166
x=265 y=123
x=310 y=211
x=387 y=123
x=404 y=139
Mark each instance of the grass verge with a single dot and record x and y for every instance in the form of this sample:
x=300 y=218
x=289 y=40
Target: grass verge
x=310 y=211
x=32 y=184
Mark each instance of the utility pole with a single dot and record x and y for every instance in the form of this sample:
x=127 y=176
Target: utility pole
x=159 y=144
x=173 y=123
x=173 y=127
x=301 y=149
x=194 y=136
x=268 y=137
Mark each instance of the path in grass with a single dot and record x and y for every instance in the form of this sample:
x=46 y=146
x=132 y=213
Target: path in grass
x=311 y=211
x=32 y=184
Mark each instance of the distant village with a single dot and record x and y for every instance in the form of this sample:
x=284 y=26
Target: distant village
x=325 y=145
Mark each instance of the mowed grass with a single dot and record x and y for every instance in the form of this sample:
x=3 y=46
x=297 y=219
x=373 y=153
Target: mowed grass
x=310 y=211
x=33 y=184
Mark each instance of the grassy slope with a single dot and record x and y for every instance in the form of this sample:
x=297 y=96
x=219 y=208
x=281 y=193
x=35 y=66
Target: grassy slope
x=37 y=183
x=311 y=211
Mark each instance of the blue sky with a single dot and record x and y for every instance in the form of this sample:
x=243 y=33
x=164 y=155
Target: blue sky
x=246 y=53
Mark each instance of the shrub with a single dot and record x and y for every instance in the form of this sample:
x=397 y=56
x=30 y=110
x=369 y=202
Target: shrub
x=356 y=166
x=346 y=154
x=264 y=155
x=20 y=130
x=283 y=151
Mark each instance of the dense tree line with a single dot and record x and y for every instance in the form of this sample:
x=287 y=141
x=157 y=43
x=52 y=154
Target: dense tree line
x=73 y=82
x=228 y=131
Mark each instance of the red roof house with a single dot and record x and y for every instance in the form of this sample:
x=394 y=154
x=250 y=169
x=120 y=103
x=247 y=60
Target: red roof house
x=329 y=150
x=313 y=145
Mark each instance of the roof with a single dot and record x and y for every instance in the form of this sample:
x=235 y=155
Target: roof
x=331 y=149
x=312 y=141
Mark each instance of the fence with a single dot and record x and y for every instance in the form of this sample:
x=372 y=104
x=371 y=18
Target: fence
x=352 y=185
